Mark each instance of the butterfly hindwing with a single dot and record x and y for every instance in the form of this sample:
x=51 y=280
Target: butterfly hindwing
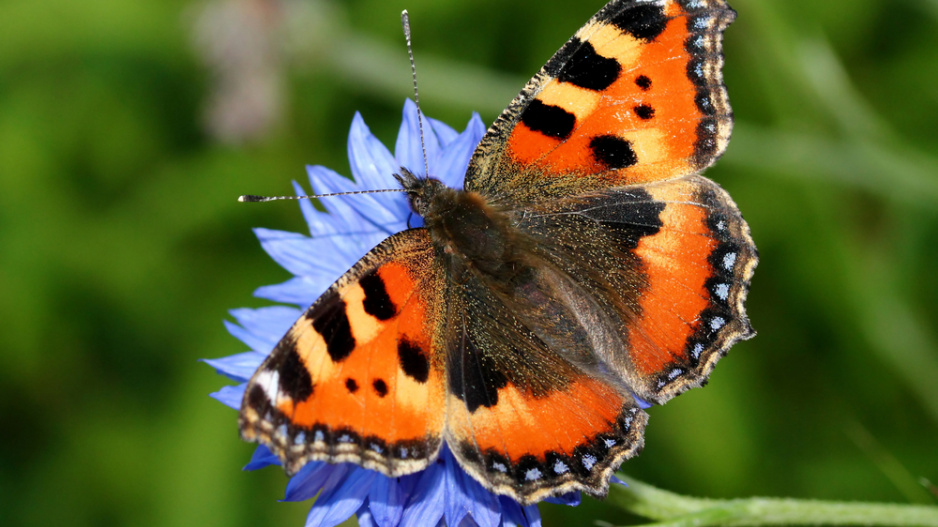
x=636 y=95
x=358 y=377
x=521 y=418
x=698 y=266
x=666 y=267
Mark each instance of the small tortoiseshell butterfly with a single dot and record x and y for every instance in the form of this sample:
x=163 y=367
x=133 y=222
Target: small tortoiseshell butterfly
x=586 y=265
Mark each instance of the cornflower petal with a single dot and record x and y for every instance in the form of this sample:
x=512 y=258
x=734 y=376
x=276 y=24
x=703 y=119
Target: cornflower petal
x=571 y=499
x=230 y=396
x=262 y=328
x=408 y=150
x=483 y=505
x=238 y=367
x=427 y=503
x=314 y=477
x=366 y=518
x=386 y=502
x=261 y=458
x=372 y=166
x=515 y=514
x=371 y=162
x=297 y=291
x=292 y=251
x=266 y=323
x=458 y=152
x=455 y=500
x=340 y=216
x=336 y=504
x=348 y=235
x=443 y=131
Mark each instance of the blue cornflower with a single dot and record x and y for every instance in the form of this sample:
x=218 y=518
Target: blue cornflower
x=351 y=227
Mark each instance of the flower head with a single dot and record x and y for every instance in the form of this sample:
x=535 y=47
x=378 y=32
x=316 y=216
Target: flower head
x=351 y=227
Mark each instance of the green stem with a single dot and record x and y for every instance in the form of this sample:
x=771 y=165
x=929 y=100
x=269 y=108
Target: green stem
x=674 y=510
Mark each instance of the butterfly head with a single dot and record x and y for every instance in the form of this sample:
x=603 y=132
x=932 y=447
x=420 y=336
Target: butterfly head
x=423 y=193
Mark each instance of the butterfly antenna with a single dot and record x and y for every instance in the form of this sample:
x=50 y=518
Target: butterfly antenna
x=250 y=198
x=405 y=22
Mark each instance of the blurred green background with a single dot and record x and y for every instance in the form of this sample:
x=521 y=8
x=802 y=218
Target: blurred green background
x=128 y=128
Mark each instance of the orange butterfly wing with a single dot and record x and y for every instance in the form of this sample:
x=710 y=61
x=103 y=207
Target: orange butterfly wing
x=571 y=438
x=667 y=266
x=358 y=377
x=523 y=419
x=636 y=95
x=698 y=267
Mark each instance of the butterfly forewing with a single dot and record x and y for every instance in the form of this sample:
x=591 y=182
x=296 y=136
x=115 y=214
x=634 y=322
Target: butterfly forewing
x=359 y=377
x=636 y=95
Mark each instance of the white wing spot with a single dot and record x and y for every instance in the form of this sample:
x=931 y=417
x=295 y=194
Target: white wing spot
x=698 y=349
x=404 y=452
x=500 y=467
x=722 y=291
x=729 y=261
x=269 y=381
x=717 y=323
x=319 y=436
x=560 y=467
x=376 y=447
x=345 y=438
x=300 y=438
x=610 y=442
x=673 y=374
x=281 y=431
x=532 y=475
x=721 y=225
x=588 y=461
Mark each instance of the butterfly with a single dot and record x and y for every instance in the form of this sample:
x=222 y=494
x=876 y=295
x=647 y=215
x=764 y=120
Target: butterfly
x=584 y=269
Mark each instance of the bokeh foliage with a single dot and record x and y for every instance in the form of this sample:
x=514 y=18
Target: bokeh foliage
x=122 y=246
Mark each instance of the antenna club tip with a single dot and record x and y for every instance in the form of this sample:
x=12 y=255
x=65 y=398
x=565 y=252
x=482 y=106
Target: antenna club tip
x=248 y=198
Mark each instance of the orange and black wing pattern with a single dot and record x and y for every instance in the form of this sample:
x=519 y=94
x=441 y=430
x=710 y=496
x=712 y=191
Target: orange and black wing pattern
x=358 y=377
x=667 y=266
x=522 y=419
x=636 y=95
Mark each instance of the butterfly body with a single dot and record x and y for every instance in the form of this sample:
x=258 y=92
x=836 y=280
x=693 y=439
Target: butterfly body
x=468 y=233
x=584 y=270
